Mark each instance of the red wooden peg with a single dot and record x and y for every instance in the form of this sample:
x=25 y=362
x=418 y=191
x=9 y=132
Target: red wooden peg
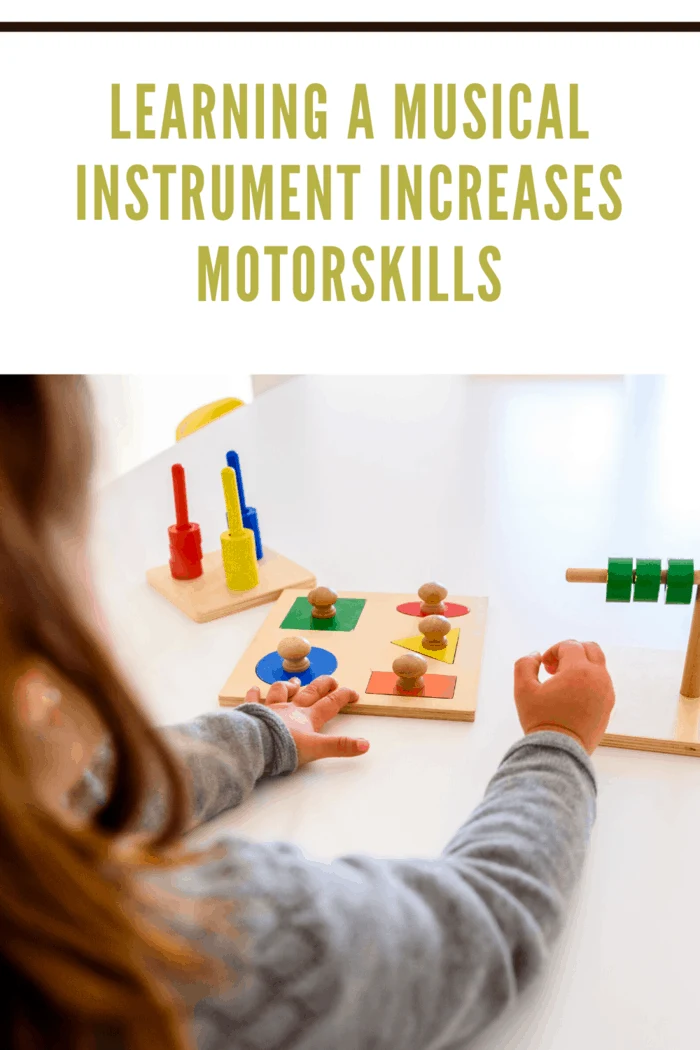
x=180 y=491
x=185 y=536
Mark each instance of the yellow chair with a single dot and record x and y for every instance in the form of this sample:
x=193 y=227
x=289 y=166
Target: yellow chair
x=206 y=414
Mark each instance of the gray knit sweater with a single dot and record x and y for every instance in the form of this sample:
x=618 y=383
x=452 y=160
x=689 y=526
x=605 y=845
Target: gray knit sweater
x=367 y=954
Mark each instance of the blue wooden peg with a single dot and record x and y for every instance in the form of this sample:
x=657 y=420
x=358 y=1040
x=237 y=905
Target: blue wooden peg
x=249 y=514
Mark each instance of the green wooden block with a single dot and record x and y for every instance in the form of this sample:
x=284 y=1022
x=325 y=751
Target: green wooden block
x=647 y=579
x=619 y=587
x=347 y=613
x=679 y=582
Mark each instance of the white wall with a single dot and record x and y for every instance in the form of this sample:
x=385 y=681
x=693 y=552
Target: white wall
x=136 y=416
x=267 y=382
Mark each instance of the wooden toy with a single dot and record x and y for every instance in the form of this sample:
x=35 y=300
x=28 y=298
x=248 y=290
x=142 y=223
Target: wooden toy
x=434 y=630
x=295 y=658
x=248 y=514
x=440 y=643
x=432 y=597
x=359 y=647
x=322 y=603
x=410 y=670
x=307 y=616
x=435 y=686
x=295 y=654
x=644 y=719
x=185 y=537
x=238 y=544
x=432 y=603
x=207 y=586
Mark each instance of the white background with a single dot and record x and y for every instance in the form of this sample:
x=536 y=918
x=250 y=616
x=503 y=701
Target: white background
x=121 y=296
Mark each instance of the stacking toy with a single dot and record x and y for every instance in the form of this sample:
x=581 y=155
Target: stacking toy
x=238 y=544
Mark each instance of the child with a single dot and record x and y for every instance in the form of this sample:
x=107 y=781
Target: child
x=112 y=936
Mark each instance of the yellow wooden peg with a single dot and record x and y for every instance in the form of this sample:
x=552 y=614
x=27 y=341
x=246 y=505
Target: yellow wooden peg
x=238 y=544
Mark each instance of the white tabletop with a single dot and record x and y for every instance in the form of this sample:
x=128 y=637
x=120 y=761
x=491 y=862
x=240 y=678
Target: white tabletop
x=494 y=486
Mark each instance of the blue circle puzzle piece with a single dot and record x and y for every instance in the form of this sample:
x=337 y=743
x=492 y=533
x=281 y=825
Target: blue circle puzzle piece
x=270 y=669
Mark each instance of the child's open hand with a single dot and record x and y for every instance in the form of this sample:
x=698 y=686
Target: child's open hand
x=576 y=700
x=305 y=712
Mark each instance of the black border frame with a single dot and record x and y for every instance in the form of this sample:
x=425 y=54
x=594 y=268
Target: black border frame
x=349 y=27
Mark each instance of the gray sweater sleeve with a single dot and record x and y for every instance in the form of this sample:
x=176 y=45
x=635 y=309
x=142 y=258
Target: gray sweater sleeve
x=227 y=753
x=223 y=756
x=417 y=954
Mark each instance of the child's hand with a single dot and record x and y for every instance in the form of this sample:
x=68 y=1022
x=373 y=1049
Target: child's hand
x=305 y=711
x=577 y=700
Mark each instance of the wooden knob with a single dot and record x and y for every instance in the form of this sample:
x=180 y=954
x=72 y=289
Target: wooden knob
x=434 y=629
x=432 y=597
x=295 y=654
x=322 y=599
x=409 y=669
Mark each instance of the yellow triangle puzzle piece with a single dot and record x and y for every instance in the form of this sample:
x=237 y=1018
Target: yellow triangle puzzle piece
x=447 y=655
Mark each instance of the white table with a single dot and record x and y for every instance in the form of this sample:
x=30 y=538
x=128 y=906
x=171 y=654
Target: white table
x=494 y=486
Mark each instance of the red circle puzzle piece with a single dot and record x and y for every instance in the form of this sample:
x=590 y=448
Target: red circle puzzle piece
x=451 y=609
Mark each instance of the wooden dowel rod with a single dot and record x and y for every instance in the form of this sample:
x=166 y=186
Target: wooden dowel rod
x=587 y=575
x=233 y=505
x=601 y=575
x=690 y=686
x=180 y=492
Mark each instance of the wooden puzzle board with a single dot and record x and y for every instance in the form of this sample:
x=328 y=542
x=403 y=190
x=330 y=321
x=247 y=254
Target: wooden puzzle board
x=369 y=648
x=649 y=714
x=207 y=598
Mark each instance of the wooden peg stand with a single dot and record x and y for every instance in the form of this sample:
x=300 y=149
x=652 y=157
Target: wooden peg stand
x=690 y=685
x=686 y=738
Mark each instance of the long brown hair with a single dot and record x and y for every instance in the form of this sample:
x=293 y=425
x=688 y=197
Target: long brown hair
x=75 y=960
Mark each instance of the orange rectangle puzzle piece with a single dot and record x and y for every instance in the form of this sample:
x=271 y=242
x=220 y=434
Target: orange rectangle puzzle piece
x=436 y=686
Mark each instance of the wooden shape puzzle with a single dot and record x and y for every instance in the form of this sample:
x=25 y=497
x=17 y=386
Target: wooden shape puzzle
x=370 y=647
x=207 y=598
x=446 y=656
x=300 y=618
x=436 y=686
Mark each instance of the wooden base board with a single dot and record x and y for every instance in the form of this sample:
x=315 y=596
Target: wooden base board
x=649 y=713
x=208 y=597
x=370 y=647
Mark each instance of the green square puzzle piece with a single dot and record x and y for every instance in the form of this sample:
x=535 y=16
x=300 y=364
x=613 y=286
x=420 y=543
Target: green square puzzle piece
x=347 y=613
